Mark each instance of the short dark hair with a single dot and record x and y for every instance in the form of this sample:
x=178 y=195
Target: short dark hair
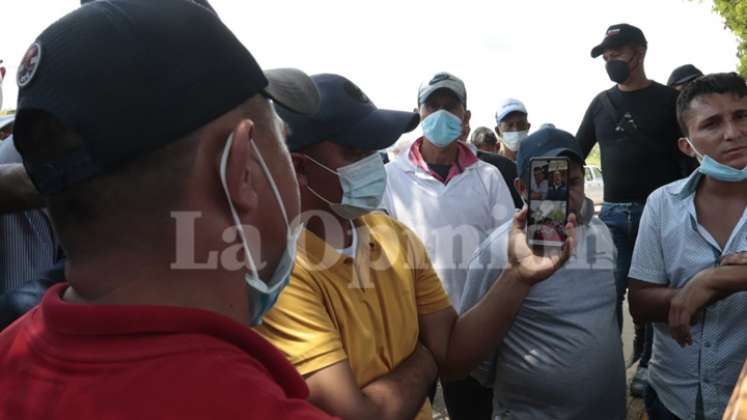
x=704 y=85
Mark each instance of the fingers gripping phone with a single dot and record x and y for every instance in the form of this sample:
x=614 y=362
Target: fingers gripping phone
x=548 y=201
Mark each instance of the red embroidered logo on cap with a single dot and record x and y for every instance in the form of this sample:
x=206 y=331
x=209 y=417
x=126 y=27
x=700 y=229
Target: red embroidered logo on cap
x=29 y=65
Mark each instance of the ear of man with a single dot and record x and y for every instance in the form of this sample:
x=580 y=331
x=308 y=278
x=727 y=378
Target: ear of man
x=685 y=147
x=240 y=171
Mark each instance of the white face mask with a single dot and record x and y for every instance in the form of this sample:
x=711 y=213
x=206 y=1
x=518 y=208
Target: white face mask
x=262 y=294
x=512 y=139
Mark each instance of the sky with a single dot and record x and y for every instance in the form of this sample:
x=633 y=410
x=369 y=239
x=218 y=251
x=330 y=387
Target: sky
x=533 y=50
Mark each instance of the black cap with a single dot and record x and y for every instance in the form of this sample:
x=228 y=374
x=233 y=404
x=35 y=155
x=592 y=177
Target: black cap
x=618 y=36
x=347 y=117
x=130 y=76
x=548 y=142
x=683 y=74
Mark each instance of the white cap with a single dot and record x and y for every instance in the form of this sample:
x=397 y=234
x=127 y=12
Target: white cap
x=508 y=106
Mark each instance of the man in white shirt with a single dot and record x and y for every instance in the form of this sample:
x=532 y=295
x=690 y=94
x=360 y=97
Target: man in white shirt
x=447 y=196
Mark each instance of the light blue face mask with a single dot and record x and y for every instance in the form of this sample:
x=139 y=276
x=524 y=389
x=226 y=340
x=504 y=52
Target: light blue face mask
x=718 y=171
x=262 y=294
x=363 y=184
x=442 y=128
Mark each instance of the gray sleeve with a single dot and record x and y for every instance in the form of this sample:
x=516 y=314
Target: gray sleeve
x=648 y=258
x=481 y=275
x=485 y=266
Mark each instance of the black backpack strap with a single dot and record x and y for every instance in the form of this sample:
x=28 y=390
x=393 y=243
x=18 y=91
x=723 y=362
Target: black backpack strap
x=608 y=106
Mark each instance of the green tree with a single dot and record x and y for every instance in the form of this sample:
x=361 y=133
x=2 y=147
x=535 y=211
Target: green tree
x=734 y=13
x=594 y=157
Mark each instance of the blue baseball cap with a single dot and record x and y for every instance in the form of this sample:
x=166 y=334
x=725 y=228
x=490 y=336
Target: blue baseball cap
x=347 y=117
x=548 y=142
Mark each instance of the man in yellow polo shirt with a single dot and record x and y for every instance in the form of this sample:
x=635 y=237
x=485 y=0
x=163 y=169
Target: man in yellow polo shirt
x=737 y=409
x=365 y=319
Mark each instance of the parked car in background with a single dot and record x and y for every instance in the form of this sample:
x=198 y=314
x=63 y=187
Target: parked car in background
x=594 y=185
x=2 y=77
x=6 y=125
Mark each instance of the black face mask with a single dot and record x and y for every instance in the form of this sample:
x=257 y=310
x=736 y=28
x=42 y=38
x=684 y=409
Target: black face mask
x=618 y=70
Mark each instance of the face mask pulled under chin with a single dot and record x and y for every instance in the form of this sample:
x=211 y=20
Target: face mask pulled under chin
x=718 y=171
x=262 y=293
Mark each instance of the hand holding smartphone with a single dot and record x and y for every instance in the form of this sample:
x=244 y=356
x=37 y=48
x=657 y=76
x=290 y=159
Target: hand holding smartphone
x=548 y=201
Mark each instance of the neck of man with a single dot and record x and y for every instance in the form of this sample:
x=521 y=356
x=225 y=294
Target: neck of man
x=329 y=227
x=636 y=81
x=508 y=153
x=724 y=191
x=140 y=279
x=435 y=155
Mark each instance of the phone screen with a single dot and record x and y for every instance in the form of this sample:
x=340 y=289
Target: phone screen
x=548 y=201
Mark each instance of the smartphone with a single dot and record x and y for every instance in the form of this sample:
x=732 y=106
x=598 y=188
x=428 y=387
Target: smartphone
x=548 y=201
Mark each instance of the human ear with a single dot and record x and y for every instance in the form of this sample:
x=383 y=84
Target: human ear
x=239 y=171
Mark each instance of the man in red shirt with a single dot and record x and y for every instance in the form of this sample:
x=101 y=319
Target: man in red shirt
x=157 y=166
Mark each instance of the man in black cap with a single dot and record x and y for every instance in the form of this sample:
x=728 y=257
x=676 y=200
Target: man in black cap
x=635 y=124
x=683 y=75
x=365 y=319
x=127 y=139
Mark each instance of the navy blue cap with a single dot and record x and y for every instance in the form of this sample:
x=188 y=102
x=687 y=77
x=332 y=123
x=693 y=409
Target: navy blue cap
x=618 y=36
x=683 y=74
x=129 y=76
x=548 y=142
x=347 y=117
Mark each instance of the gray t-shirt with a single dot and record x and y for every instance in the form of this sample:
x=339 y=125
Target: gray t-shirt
x=562 y=357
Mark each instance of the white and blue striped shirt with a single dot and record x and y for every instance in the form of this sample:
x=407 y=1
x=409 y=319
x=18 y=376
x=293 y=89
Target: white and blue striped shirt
x=28 y=247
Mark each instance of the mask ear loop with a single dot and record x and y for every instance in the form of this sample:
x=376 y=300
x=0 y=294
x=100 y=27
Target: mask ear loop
x=239 y=228
x=291 y=234
x=697 y=153
x=323 y=166
x=271 y=180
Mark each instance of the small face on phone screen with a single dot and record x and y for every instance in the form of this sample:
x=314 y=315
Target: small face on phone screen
x=548 y=201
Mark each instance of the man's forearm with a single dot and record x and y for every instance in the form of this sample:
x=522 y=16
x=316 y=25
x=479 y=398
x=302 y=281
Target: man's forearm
x=727 y=279
x=401 y=393
x=651 y=304
x=17 y=193
x=481 y=329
